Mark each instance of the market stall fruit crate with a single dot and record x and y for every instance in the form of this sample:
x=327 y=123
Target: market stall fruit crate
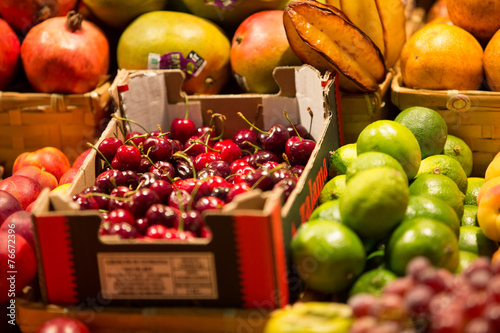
x=472 y=115
x=30 y=121
x=245 y=264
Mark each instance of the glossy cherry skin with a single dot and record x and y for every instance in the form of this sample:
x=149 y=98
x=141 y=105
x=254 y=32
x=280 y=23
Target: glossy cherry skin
x=236 y=190
x=156 y=231
x=202 y=160
x=209 y=184
x=194 y=147
x=102 y=201
x=289 y=143
x=164 y=215
x=118 y=192
x=181 y=129
x=183 y=169
x=144 y=166
x=240 y=175
x=157 y=148
x=300 y=152
x=109 y=179
x=206 y=173
x=163 y=189
x=209 y=203
x=287 y=185
x=85 y=202
x=141 y=200
x=303 y=132
x=228 y=150
x=120 y=215
x=280 y=174
x=298 y=170
x=164 y=170
x=243 y=136
x=191 y=221
x=221 y=166
x=124 y=230
x=276 y=139
x=141 y=224
x=180 y=199
x=238 y=164
x=263 y=156
x=130 y=179
x=220 y=192
x=270 y=165
x=188 y=185
x=135 y=138
x=176 y=145
x=260 y=178
x=129 y=157
x=108 y=147
x=147 y=179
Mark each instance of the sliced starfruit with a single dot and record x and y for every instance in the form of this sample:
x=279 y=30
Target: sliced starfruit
x=322 y=36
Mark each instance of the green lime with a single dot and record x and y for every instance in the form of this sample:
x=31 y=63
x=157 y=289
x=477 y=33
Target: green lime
x=333 y=189
x=372 y=281
x=374 y=201
x=428 y=126
x=432 y=207
x=328 y=255
x=473 y=239
x=473 y=186
x=442 y=187
x=422 y=237
x=328 y=211
x=341 y=158
x=459 y=150
x=470 y=216
x=372 y=159
x=392 y=138
x=464 y=260
x=444 y=165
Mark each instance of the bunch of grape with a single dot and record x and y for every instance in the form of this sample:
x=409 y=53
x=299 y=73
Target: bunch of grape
x=429 y=299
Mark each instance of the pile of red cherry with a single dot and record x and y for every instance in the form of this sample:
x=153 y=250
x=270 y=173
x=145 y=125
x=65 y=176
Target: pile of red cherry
x=156 y=185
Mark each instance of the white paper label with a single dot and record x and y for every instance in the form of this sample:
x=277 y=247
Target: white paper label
x=157 y=275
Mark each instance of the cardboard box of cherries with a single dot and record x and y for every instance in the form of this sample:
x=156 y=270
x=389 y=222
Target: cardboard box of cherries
x=190 y=200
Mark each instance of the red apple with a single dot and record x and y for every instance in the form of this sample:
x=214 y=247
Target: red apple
x=23 y=188
x=24 y=14
x=80 y=158
x=63 y=325
x=22 y=224
x=259 y=45
x=9 y=54
x=42 y=177
x=68 y=176
x=8 y=205
x=18 y=265
x=50 y=159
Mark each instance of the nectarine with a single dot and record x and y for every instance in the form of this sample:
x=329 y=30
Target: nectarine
x=42 y=177
x=49 y=159
x=23 y=188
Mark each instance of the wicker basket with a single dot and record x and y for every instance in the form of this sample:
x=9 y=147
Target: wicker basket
x=473 y=116
x=30 y=121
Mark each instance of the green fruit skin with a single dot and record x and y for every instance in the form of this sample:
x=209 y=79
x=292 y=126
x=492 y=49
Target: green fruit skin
x=472 y=239
x=471 y=195
x=329 y=210
x=428 y=146
x=162 y=32
x=463 y=156
x=426 y=167
x=374 y=195
x=340 y=159
x=333 y=189
x=372 y=281
x=372 y=159
x=404 y=148
x=423 y=206
x=465 y=258
x=470 y=216
x=442 y=250
x=327 y=255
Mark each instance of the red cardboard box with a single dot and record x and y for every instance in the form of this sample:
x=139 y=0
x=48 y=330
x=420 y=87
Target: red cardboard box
x=245 y=265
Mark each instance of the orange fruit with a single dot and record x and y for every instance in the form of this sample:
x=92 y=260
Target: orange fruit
x=491 y=62
x=493 y=169
x=442 y=56
x=496 y=256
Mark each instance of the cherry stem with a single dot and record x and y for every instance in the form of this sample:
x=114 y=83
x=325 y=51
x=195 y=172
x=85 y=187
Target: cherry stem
x=222 y=119
x=131 y=121
x=135 y=137
x=311 y=122
x=291 y=123
x=261 y=179
x=206 y=145
x=252 y=125
x=104 y=195
x=257 y=148
x=100 y=154
x=185 y=157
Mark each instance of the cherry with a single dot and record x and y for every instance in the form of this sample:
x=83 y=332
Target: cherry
x=164 y=170
x=182 y=128
x=287 y=185
x=192 y=221
x=85 y=202
x=144 y=166
x=108 y=147
x=135 y=138
x=120 y=191
x=202 y=130
x=228 y=150
x=241 y=173
x=176 y=145
x=269 y=165
x=263 y=156
x=104 y=227
x=238 y=189
x=222 y=167
x=162 y=214
x=156 y=231
x=238 y=164
x=203 y=159
x=280 y=174
x=120 y=215
x=298 y=170
x=130 y=179
x=180 y=199
x=163 y=189
x=109 y=179
x=206 y=233
x=102 y=201
x=159 y=133
x=188 y=185
x=129 y=157
x=123 y=230
x=141 y=200
x=301 y=151
x=208 y=185
x=194 y=146
x=141 y=224
x=294 y=128
x=220 y=192
x=183 y=169
x=147 y=179
x=290 y=142
x=274 y=139
x=185 y=235
x=206 y=173
x=208 y=203
x=260 y=178
x=158 y=148
x=245 y=138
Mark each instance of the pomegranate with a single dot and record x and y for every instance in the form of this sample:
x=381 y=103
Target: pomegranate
x=65 y=55
x=24 y=14
x=9 y=54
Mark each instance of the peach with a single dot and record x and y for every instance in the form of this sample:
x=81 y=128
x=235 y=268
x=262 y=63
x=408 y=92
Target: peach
x=49 y=159
x=42 y=177
x=23 y=188
x=68 y=176
x=488 y=215
x=486 y=186
x=493 y=169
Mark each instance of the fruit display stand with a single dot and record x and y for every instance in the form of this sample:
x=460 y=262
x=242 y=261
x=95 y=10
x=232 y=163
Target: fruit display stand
x=249 y=272
x=30 y=121
x=471 y=115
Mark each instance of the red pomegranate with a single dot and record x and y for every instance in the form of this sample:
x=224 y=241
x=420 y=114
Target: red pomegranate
x=9 y=54
x=65 y=55
x=23 y=14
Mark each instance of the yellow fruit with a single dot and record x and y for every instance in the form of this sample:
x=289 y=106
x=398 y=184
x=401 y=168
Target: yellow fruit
x=473 y=186
x=428 y=126
x=372 y=159
x=374 y=201
x=341 y=158
x=119 y=13
x=61 y=188
x=459 y=150
x=478 y=17
x=163 y=32
x=473 y=239
x=447 y=166
x=442 y=56
x=493 y=169
x=442 y=187
x=333 y=189
x=393 y=138
x=491 y=62
x=486 y=186
x=422 y=237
